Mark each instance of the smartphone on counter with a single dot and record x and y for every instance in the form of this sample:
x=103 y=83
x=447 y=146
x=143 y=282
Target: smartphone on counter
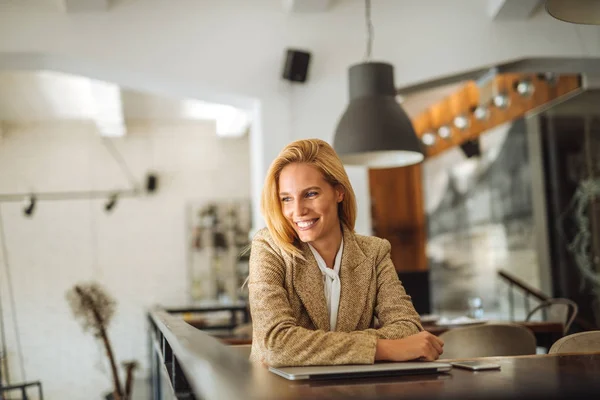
x=475 y=365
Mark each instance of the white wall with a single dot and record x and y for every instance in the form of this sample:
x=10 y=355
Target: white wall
x=138 y=251
x=232 y=50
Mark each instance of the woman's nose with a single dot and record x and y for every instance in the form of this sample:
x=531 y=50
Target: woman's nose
x=300 y=208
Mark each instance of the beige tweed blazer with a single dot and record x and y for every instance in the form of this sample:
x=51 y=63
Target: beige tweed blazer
x=290 y=322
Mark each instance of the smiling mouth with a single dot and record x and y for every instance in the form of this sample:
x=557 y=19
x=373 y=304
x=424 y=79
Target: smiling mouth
x=304 y=225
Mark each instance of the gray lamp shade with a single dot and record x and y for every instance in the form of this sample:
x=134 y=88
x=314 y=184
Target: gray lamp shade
x=585 y=12
x=374 y=131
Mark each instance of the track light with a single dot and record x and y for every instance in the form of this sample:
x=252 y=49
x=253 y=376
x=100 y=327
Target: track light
x=111 y=203
x=501 y=101
x=29 y=206
x=428 y=139
x=525 y=87
x=461 y=122
x=444 y=132
x=481 y=113
x=550 y=78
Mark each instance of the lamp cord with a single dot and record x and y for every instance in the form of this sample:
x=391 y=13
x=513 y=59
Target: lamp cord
x=4 y=379
x=11 y=294
x=370 y=32
x=121 y=161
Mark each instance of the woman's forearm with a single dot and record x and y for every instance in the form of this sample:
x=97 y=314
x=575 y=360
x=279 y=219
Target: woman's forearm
x=382 y=350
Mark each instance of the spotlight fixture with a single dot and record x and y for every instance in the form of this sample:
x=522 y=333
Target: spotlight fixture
x=29 y=205
x=444 y=132
x=550 y=78
x=461 y=122
x=481 y=113
x=428 y=139
x=501 y=101
x=525 y=88
x=111 y=203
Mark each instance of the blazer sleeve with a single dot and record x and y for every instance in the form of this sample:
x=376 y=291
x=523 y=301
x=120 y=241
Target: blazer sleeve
x=394 y=308
x=274 y=325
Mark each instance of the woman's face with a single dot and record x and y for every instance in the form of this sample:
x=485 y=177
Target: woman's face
x=309 y=202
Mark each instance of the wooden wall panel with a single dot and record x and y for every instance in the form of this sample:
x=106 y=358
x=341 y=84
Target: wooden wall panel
x=398 y=214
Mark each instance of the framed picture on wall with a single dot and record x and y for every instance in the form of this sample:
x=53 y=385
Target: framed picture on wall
x=218 y=235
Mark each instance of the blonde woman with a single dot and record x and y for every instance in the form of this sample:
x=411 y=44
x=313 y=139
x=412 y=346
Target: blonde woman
x=315 y=286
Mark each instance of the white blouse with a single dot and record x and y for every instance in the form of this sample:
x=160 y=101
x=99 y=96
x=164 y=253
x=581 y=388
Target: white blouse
x=331 y=278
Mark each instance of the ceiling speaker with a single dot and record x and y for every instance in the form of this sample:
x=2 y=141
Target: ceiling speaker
x=151 y=183
x=296 y=65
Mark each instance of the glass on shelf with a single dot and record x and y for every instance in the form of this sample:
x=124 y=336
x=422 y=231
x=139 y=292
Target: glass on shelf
x=475 y=308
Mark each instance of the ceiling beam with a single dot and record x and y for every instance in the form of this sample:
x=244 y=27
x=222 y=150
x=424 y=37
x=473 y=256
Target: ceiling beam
x=78 y=6
x=512 y=9
x=306 y=6
x=109 y=108
x=463 y=102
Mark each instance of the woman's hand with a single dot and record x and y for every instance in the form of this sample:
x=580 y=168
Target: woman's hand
x=423 y=346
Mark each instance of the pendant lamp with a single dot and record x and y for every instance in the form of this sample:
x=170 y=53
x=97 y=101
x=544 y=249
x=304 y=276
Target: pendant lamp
x=375 y=131
x=585 y=12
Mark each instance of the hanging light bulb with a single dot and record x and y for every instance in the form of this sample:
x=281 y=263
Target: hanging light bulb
x=525 y=87
x=444 y=132
x=428 y=139
x=481 y=113
x=501 y=101
x=461 y=122
x=550 y=78
x=374 y=130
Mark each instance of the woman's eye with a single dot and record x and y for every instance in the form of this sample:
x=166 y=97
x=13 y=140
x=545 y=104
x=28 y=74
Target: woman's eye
x=311 y=194
x=285 y=199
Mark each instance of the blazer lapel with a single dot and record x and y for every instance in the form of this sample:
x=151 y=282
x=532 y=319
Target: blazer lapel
x=308 y=283
x=355 y=284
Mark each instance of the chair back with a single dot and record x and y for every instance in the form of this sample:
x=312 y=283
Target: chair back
x=582 y=342
x=556 y=310
x=488 y=340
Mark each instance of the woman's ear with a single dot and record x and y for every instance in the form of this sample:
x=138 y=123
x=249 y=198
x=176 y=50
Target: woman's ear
x=339 y=191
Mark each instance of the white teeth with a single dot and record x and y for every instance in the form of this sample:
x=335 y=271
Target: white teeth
x=305 y=224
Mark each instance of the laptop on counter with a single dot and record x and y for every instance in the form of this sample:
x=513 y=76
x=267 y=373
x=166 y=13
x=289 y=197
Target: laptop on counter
x=358 y=371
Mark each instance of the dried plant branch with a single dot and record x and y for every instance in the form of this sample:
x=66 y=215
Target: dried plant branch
x=95 y=308
x=130 y=367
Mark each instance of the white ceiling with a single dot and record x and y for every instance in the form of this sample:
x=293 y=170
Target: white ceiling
x=27 y=96
x=416 y=103
x=497 y=9
x=69 y=6
x=36 y=4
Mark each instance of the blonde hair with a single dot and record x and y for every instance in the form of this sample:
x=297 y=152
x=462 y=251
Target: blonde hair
x=317 y=153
